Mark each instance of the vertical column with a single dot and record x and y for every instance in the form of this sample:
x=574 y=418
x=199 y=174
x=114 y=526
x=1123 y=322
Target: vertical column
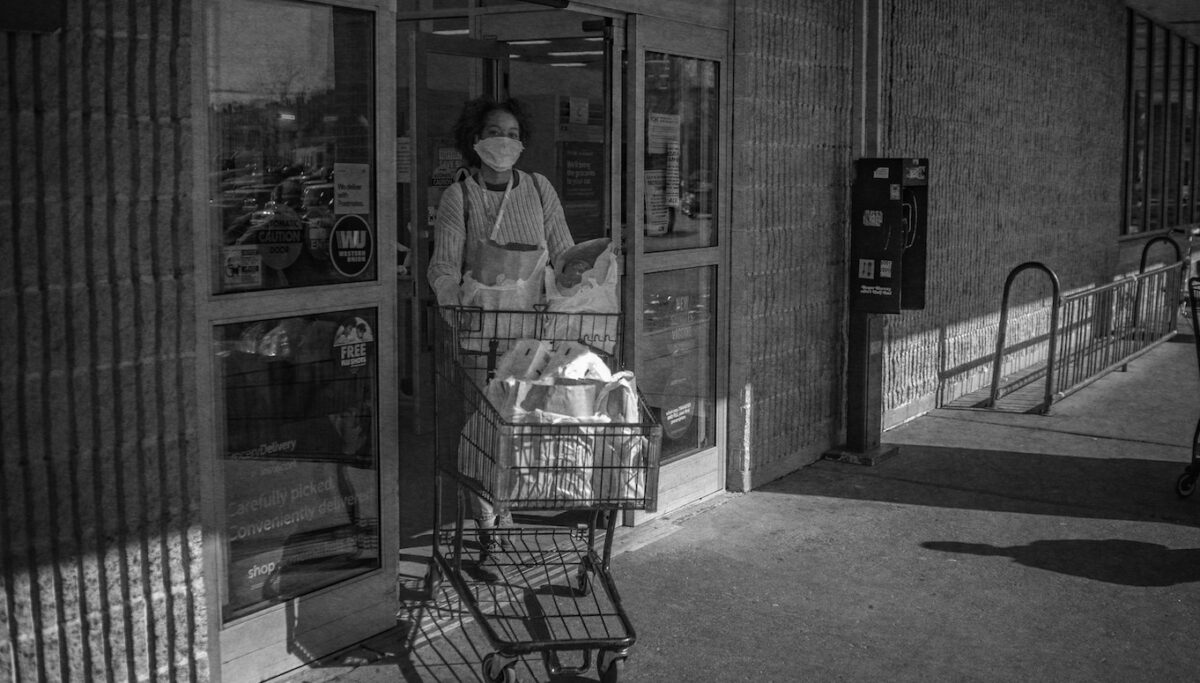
x=864 y=342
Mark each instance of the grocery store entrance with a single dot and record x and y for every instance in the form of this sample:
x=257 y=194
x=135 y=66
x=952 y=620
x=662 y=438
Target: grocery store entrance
x=629 y=131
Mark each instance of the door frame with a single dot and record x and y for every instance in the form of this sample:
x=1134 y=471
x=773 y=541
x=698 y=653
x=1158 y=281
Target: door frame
x=419 y=45
x=263 y=644
x=702 y=474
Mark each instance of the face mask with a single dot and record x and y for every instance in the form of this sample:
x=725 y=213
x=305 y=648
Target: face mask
x=499 y=153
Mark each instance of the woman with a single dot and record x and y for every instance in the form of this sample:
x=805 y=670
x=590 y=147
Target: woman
x=500 y=221
x=498 y=224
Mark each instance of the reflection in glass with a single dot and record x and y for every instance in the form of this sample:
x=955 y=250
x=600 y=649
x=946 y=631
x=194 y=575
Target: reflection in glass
x=682 y=114
x=301 y=507
x=1188 y=144
x=1173 y=131
x=1158 y=123
x=1139 y=94
x=291 y=114
x=675 y=356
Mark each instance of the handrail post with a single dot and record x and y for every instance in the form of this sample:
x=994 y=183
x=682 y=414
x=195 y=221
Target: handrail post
x=1053 y=348
x=1156 y=240
x=1001 y=334
x=1137 y=296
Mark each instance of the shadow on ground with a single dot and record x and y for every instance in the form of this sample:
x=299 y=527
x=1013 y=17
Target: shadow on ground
x=1001 y=481
x=1117 y=561
x=437 y=641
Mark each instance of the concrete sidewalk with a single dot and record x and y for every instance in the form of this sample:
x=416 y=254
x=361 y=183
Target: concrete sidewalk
x=993 y=547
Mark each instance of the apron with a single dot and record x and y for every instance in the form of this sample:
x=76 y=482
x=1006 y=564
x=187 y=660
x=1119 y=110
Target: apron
x=503 y=276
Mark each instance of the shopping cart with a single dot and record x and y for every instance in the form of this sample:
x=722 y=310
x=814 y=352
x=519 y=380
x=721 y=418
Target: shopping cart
x=548 y=588
x=1185 y=485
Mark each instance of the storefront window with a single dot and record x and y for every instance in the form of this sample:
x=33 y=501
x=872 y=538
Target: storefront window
x=291 y=110
x=1161 y=146
x=676 y=353
x=682 y=117
x=298 y=419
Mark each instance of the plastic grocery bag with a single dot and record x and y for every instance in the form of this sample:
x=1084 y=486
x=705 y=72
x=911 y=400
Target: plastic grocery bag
x=585 y=280
x=525 y=359
x=596 y=291
x=575 y=361
x=553 y=465
x=508 y=293
x=485 y=454
x=620 y=467
x=621 y=452
x=519 y=400
x=504 y=298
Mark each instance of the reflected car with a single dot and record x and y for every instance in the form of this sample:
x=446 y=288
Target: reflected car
x=316 y=201
x=696 y=195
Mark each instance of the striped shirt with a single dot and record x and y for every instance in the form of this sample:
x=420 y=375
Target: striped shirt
x=531 y=215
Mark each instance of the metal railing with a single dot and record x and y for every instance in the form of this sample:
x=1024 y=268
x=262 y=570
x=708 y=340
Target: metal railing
x=1093 y=331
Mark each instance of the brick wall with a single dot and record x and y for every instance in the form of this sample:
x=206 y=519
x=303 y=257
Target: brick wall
x=791 y=159
x=99 y=526
x=1018 y=105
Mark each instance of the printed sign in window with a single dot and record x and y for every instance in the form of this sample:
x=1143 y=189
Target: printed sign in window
x=298 y=458
x=352 y=188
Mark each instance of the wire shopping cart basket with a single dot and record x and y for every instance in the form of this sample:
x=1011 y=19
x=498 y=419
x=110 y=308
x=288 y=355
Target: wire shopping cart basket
x=542 y=587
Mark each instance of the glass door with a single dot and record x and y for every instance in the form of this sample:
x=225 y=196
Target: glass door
x=437 y=73
x=295 y=352
x=677 y=222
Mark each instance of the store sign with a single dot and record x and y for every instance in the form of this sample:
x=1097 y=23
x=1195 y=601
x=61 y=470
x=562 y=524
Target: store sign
x=351 y=245
x=352 y=346
x=680 y=407
x=583 y=171
x=242 y=267
x=300 y=480
x=352 y=188
x=280 y=246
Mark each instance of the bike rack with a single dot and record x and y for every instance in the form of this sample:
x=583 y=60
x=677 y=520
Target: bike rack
x=1142 y=267
x=998 y=357
x=1155 y=240
x=1092 y=346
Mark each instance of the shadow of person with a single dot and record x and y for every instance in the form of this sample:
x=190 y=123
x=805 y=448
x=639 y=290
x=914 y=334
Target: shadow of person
x=1117 y=561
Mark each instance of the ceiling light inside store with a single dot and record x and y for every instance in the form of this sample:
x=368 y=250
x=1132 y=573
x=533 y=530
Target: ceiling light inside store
x=580 y=53
x=453 y=32
x=528 y=42
x=569 y=64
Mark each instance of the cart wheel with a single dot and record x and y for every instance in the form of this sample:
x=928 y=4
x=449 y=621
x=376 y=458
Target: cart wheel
x=497 y=669
x=1185 y=485
x=612 y=672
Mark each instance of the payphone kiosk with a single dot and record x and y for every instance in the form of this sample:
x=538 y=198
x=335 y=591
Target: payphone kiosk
x=889 y=204
x=888 y=226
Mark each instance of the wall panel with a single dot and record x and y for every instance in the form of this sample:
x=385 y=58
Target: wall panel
x=99 y=523
x=792 y=99
x=1018 y=106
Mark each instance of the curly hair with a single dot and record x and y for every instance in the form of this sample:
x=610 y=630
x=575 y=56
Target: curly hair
x=473 y=119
